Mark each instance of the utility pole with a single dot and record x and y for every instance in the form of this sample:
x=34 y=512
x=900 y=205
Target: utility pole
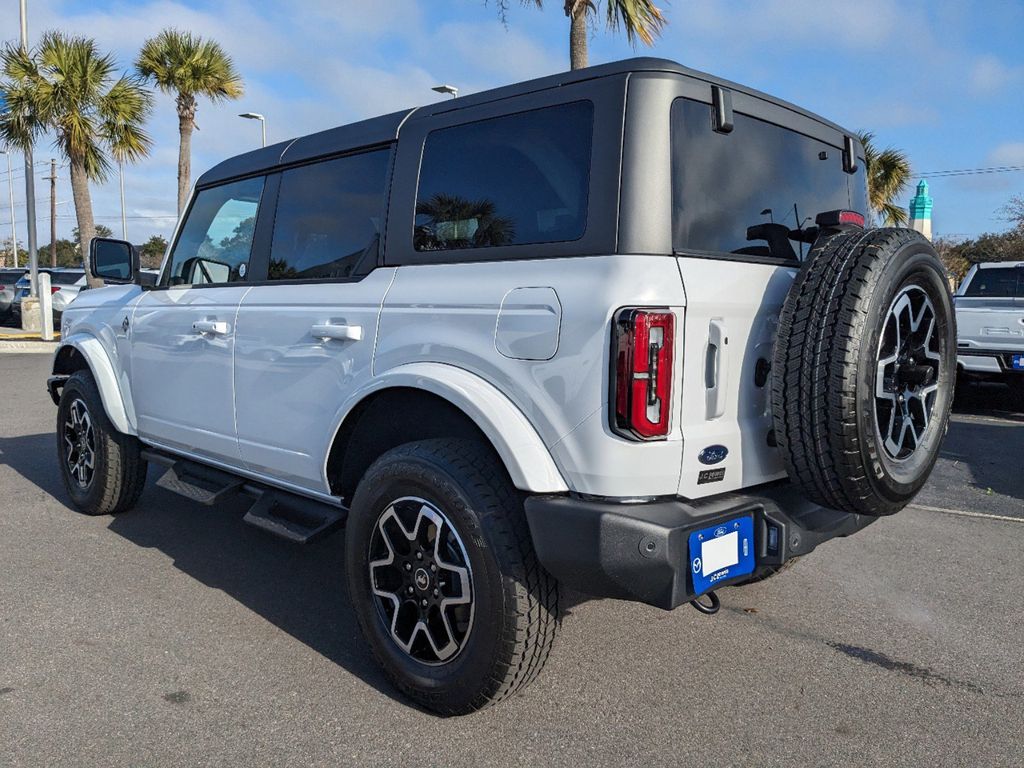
x=10 y=190
x=30 y=183
x=124 y=222
x=53 y=212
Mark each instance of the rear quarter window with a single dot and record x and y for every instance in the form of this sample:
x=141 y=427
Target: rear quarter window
x=511 y=180
x=752 y=191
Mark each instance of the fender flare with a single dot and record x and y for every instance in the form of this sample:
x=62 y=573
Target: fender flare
x=526 y=458
x=111 y=392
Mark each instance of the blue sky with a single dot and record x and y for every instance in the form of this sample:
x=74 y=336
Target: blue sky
x=943 y=79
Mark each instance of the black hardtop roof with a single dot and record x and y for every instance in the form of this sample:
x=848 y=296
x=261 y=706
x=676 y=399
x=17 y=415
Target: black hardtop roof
x=384 y=129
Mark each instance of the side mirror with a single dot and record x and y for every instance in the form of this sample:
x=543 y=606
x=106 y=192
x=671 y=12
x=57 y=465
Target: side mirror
x=113 y=261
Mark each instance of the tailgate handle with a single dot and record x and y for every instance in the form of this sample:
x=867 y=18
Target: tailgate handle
x=341 y=332
x=716 y=369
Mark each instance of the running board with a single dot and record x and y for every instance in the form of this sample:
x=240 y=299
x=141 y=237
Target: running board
x=292 y=518
x=203 y=485
x=286 y=515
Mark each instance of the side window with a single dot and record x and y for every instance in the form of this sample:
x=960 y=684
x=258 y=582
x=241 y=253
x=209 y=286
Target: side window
x=510 y=180
x=329 y=218
x=216 y=238
x=752 y=191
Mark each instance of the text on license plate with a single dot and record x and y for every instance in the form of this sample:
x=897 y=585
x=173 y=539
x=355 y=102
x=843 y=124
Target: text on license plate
x=721 y=552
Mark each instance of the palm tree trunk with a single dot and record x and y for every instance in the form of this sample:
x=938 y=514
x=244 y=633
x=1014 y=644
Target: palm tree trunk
x=576 y=10
x=83 y=212
x=186 y=122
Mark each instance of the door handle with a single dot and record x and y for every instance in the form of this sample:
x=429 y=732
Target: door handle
x=716 y=369
x=216 y=327
x=327 y=331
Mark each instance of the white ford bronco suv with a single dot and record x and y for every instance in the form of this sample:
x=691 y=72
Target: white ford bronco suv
x=620 y=330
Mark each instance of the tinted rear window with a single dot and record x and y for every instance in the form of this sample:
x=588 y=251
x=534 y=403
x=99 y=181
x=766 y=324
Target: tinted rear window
x=997 y=282
x=65 y=278
x=510 y=180
x=743 y=192
x=11 y=275
x=329 y=217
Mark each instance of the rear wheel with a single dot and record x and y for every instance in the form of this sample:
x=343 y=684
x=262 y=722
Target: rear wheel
x=103 y=469
x=864 y=370
x=443 y=576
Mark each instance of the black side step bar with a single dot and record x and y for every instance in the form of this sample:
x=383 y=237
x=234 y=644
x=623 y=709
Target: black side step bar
x=203 y=485
x=293 y=518
x=283 y=514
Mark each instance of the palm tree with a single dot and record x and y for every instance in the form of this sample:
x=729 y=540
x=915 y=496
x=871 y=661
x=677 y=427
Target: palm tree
x=188 y=66
x=65 y=85
x=888 y=171
x=641 y=19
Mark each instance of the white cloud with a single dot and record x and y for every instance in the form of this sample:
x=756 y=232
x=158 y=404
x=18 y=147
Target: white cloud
x=1008 y=153
x=989 y=76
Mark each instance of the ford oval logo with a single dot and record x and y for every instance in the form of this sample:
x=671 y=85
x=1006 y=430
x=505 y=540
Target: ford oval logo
x=713 y=454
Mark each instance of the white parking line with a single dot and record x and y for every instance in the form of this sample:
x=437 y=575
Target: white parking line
x=965 y=513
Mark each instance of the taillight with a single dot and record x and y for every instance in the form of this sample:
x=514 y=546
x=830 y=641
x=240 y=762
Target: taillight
x=54 y=288
x=643 y=343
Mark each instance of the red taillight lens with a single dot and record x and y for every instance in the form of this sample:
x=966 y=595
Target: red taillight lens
x=644 y=340
x=54 y=288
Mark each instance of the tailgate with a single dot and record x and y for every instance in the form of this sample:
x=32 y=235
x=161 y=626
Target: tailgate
x=732 y=311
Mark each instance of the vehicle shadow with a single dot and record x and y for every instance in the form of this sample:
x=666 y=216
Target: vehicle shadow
x=301 y=590
x=987 y=447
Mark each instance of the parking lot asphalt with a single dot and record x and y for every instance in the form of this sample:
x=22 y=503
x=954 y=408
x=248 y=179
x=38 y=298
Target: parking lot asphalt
x=176 y=635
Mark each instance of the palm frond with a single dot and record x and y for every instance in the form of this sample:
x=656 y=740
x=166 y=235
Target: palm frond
x=182 y=63
x=888 y=172
x=641 y=19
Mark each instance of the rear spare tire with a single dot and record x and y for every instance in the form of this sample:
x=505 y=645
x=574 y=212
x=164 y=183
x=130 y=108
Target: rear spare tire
x=864 y=370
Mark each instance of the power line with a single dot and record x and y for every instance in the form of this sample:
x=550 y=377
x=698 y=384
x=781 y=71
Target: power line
x=970 y=171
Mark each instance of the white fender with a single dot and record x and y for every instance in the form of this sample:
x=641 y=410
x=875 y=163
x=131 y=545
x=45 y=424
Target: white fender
x=524 y=454
x=106 y=380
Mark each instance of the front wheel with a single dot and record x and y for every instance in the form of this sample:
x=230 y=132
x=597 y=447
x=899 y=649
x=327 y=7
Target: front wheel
x=103 y=469
x=443 y=576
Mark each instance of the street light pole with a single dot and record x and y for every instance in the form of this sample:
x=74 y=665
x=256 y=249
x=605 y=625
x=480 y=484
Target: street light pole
x=263 y=123
x=124 y=221
x=10 y=190
x=30 y=183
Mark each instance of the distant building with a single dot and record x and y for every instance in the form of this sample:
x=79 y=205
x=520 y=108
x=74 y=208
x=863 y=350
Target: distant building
x=921 y=210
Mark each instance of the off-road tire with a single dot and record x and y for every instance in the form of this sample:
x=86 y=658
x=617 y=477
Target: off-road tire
x=826 y=360
x=516 y=601
x=119 y=471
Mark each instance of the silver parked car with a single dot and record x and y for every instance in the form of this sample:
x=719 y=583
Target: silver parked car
x=65 y=285
x=990 y=324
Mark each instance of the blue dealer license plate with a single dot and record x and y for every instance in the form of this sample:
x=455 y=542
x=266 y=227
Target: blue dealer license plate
x=1017 y=362
x=721 y=552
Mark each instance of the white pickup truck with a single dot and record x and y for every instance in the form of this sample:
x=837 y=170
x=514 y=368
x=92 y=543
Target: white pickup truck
x=990 y=323
x=620 y=330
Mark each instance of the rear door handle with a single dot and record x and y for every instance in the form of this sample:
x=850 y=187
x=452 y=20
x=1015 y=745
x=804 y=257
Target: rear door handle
x=216 y=327
x=341 y=332
x=716 y=369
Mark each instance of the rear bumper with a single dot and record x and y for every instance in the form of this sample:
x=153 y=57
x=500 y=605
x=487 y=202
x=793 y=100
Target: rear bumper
x=604 y=549
x=978 y=360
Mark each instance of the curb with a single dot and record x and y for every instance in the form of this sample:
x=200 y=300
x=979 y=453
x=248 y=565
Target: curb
x=28 y=347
